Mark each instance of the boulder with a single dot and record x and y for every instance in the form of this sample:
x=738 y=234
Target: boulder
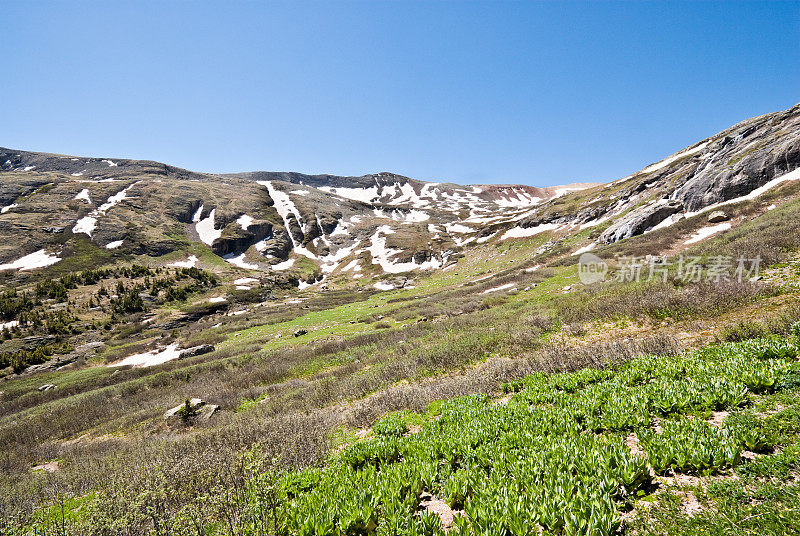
x=206 y=411
x=196 y=350
x=199 y=410
x=46 y=387
x=718 y=216
x=300 y=332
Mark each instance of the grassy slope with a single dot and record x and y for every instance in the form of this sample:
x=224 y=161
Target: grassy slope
x=349 y=363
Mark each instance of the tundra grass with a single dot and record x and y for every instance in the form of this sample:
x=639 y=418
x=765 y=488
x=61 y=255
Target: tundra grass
x=555 y=458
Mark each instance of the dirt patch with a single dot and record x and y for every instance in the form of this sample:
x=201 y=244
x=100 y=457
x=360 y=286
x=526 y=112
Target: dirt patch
x=633 y=444
x=437 y=506
x=504 y=400
x=49 y=467
x=717 y=417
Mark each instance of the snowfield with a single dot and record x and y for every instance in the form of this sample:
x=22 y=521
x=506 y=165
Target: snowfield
x=37 y=259
x=151 y=358
x=705 y=232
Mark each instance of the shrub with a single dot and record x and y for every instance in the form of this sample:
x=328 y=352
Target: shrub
x=392 y=425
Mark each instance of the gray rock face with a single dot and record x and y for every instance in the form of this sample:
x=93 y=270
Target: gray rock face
x=236 y=240
x=641 y=220
x=727 y=166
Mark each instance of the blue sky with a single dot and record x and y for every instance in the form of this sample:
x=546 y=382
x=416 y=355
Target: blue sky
x=538 y=93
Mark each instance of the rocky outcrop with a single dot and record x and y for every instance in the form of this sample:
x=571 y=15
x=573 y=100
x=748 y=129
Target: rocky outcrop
x=235 y=239
x=641 y=220
x=196 y=350
x=192 y=411
x=718 y=216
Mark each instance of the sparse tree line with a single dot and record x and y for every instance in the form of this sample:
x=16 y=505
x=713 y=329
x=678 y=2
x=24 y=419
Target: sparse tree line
x=34 y=312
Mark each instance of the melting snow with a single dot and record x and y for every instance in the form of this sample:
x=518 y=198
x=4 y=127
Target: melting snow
x=197 y=214
x=38 y=259
x=188 y=263
x=245 y=221
x=285 y=207
x=245 y=281
x=217 y=299
x=365 y=195
x=352 y=265
x=458 y=228
x=483 y=239
x=285 y=265
x=84 y=194
x=205 y=227
x=381 y=254
x=495 y=289
x=240 y=261
x=9 y=325
x=28 y=168
x=88 y=223
x=584 y=249
x=705 y=232
x=114 y=245
x=148 y=359
x=522 y=232
x=8 y=207
x=380 y=285
x=110 y=163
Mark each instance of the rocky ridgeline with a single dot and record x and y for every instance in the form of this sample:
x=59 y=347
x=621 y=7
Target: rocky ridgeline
x=378 y=223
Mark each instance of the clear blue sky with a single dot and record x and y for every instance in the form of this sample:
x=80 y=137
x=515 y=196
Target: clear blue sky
x=524 y=92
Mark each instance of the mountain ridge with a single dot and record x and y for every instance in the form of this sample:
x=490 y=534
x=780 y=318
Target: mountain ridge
x=383 y=222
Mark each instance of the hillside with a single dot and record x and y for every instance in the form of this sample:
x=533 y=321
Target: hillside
x=280 y=353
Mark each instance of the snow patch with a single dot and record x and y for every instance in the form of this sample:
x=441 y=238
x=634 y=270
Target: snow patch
x=285 y=265
x=365 y=195
x=240 y=261
x=148 y=359
x=205 y=228
x=705 y=232
x=245 y=221
x=84 y=194
x=523 y=232
x=584 y=249
x=497 y=289
x=8 y=207
x=37 y=259
x=114 y=245
x=188 y=263
x=88 y=223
